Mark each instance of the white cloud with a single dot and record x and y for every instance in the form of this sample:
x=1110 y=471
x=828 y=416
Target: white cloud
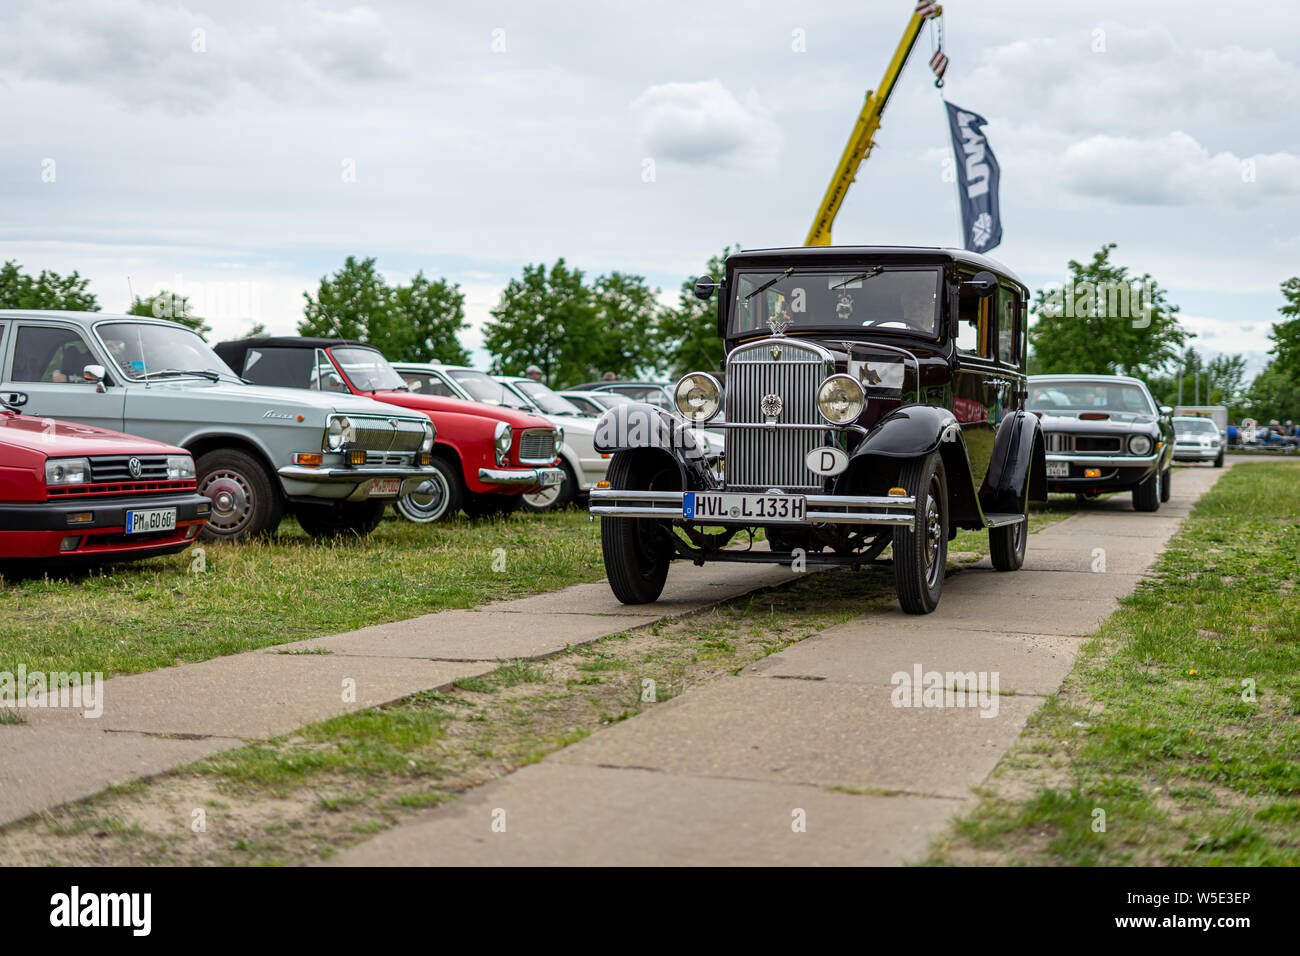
x=705 y=124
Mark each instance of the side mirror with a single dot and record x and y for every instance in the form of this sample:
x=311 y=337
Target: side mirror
x=15 y=399
x=983 y=284
x=1166 y=410
x=704 y=288
x=96 y=374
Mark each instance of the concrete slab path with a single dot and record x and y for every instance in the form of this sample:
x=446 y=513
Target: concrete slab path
x=805 y=757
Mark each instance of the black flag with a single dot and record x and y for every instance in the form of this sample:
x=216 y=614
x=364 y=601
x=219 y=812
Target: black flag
x=977 y=180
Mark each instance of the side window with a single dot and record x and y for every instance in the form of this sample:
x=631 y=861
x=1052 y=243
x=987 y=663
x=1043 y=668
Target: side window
x=1008 y=311
x=428 y=385
x=974 y=335
x=50 y=354
x=290 y=368
x=326 y=378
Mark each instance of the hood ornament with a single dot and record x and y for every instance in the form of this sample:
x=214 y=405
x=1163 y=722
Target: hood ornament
x=779 y=323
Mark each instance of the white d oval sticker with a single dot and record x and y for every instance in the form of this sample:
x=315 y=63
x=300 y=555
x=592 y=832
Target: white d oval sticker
x=828 y=460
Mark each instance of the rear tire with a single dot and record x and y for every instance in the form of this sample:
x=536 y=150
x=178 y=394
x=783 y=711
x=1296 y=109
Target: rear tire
x=341 y=519
x=1146 y=496
x=438 y=497
x=1007 y=545
x=921 y=559
x=1166 y=486
x=636 y=555
x=1218 y=462
x=554 y=498
x=245 y=502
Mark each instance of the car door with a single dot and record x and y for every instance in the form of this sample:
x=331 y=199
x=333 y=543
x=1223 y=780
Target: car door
x=976 y=382
x=46 y=360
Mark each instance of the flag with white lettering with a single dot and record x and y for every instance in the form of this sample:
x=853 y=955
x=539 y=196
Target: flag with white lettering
x=977 y=180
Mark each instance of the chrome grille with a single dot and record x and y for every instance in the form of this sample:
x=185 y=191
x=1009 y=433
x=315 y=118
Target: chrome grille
x=1057 y=442
x=760 y=458
x=537 y=446
x=387 y=435
x=1063 y=443
x=117 y=468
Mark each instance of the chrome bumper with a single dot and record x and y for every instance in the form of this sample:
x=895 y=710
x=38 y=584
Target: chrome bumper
x=311 y=482
x=1114 y=461
x=521 y=477
x=822 y=509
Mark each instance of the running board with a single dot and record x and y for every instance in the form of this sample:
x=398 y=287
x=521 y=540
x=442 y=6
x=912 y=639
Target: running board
x=992 y=520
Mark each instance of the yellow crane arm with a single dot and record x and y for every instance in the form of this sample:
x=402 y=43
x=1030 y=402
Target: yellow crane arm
x=860 y=142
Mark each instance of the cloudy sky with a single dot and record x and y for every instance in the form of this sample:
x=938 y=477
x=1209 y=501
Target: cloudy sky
x=238 y=151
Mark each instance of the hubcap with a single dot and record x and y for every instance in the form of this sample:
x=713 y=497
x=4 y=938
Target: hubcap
x=540 y=499
x=933 y=537
x=427 y=501
x=232 y=500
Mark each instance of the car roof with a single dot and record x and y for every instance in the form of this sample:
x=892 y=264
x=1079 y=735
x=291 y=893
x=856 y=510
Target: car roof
x=85 y=318
x=237 y=349
x=899 y=254
x=1087 y=378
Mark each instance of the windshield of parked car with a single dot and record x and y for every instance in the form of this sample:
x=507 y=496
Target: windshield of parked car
x=552 y=403
x=482 y=387
x=143 y=351
x=1102 y=395
x=1199 y=426
x=368 y=370
x=877 y=297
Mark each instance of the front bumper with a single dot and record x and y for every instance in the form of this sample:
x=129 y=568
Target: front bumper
x=1118 y=472
x=821 y=509
x=522 y=479
x=1196 y=453
x=346 y=484
x=38 y=530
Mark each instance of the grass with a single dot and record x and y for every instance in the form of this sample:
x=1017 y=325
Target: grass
x=1180 y=724
x=159 y=612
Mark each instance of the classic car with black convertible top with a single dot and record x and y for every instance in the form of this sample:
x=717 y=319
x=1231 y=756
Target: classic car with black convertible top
x=1104 y=433
x=874 y=399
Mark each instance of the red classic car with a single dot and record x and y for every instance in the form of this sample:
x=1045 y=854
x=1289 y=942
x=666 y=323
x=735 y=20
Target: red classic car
x=76 y=492
x=485 y=457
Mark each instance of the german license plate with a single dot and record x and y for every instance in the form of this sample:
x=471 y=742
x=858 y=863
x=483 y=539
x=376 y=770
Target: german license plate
x=552 y=478
x=155 y=519
x=386 y=488
x=1058 y=469
x=713 y=505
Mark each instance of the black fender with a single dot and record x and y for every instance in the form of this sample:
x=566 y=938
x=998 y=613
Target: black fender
x=639 y=426
x=1018 y=466
x=913 y=431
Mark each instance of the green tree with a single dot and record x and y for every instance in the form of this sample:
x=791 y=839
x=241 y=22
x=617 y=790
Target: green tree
x=1286 y=334
x=627 y=313
x=49 y=290
x=688 y=335
x=548 y=318
x=1105 y=321
x=169 y=305
x=1274 y=394
x=416 y=322
x=424 y=320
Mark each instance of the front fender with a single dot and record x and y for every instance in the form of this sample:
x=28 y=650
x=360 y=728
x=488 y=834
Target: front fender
x=1018 y=467
x=640 y=425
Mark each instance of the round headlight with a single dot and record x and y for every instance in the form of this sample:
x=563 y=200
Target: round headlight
x=427 y=444
x=698 y=396
x=505 y=436
x=336 y=433
x=840 y=399
x=1139 y=445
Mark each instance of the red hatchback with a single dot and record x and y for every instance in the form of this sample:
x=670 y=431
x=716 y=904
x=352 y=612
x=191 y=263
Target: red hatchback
x=72 y=491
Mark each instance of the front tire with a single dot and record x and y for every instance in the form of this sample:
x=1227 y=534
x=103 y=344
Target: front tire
x=1146 y=496
x=438 y=497
x=245 y=503
x=1166 y=485
x=1218 y=462
x=920 y=559
x=340 y=519
x=635 y=551
x=1007 y=545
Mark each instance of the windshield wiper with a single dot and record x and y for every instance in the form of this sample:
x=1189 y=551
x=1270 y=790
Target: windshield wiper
x=769 y=283
x=201 y=372
x=870 y=273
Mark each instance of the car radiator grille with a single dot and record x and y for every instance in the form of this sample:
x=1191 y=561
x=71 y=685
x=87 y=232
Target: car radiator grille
x=384 y=436
x=760 y=458
x=1061 y=443
x=117 y=468
x=537 y=446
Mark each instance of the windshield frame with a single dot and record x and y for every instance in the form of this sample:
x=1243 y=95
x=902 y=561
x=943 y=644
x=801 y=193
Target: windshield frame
x=338 y=364
x=527 y=388
x=147 y=375
x=504 y=392
x=866 y=273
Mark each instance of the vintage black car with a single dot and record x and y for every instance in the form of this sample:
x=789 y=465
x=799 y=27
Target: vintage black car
x=1104 y=433
x=874 y=398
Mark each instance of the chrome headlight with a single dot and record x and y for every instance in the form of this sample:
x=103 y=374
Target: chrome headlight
x=559 y=437
x=505 y=436
x=1214 y=443
x=337 y=432
x=841 y=399
x=1140 y=445
x=67 y=471
x=429 y=433
x=698 y=396
x=179 y=467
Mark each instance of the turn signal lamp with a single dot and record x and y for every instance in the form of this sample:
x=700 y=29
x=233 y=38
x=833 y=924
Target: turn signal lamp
x=310 y=460
x=602 y=484
x=357 y=456
x=81 y=517
x=426 y=458
x=1092 y=472
x=898 y=492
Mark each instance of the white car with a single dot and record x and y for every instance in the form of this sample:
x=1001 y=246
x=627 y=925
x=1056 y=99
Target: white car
x=595 y=403
x=1198 y=439
x=581 y=460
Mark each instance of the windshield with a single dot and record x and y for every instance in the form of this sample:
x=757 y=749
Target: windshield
x=368 y=370
x=552 y=403
x=861 y=297
x=484 y=388
x=1201 y=426
x=1098 y=396
x=140 y=350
